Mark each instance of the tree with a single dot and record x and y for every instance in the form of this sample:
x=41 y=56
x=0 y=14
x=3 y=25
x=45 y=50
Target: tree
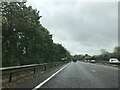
x=87 y=57
x=19 y=30
x=24 y=39
x=116 y=52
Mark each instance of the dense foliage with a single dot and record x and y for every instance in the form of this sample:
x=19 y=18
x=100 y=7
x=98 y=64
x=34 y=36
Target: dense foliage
x=104 y=56
x=24 y=39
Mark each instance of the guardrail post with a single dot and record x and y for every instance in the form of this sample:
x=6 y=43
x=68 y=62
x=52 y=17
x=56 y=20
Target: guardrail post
x=34 y=70
x=45 y=68
x=51 y=65
x=55 y=65
x=10 y=77
x=11 y=71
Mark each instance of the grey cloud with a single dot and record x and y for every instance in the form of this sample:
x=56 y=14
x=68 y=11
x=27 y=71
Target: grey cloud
x=82 y=27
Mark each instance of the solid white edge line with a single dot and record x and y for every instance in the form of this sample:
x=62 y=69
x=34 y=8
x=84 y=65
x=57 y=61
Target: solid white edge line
x=42 y=83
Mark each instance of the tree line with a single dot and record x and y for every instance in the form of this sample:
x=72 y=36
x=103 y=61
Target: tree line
x=24 y=39
x=104 y=56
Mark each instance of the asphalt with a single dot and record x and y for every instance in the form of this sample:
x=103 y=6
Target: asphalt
x=77 y=75
x=33 y=82
x=84 y=75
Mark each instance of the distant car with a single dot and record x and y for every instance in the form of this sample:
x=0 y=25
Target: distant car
x=113 y=60
x=74 y=60
x=85 y=60
x=88 y=60
x=92 y=61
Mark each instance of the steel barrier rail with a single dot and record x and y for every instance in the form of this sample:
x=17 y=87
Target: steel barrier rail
x=15 y=69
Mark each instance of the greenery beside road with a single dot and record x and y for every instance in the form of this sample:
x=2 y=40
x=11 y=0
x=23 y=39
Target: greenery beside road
x=24 y=39
x=104 y=56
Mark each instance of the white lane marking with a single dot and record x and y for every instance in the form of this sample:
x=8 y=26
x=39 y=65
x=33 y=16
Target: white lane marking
x=93 y=70
x=49 y=78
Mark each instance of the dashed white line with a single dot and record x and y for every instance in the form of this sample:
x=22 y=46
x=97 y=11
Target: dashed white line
x=93 y=70
x=42 y=83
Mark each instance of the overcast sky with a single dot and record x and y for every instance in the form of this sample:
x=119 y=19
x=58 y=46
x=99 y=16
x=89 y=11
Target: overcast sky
x=81 y=27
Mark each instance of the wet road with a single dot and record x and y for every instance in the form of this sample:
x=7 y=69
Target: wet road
x=84 y=75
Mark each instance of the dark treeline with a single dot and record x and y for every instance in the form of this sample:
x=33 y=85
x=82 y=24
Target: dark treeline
x=24 y=39
x=104 y=56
